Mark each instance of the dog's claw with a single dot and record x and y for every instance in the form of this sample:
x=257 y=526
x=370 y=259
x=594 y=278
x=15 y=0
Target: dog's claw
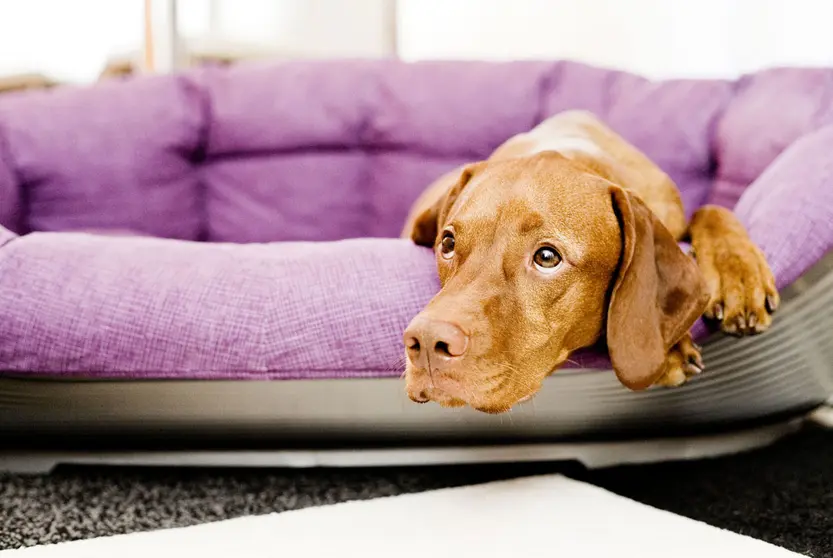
x=771 y=303
x=683 y=361
x=740 y=283
x=695 y=366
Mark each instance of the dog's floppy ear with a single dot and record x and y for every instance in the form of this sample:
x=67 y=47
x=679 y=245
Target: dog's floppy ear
x=657 y=295
x=426 y=225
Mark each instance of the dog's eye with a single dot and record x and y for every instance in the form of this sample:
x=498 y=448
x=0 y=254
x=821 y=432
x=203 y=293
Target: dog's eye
x=447 y=245
x=546 y=259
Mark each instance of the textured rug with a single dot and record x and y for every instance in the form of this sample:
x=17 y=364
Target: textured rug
x=782 y=494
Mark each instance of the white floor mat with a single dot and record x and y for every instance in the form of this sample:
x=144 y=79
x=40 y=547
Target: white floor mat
x=550 y=516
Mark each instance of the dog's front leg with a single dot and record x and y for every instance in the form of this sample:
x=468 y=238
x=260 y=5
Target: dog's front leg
x=741 y=285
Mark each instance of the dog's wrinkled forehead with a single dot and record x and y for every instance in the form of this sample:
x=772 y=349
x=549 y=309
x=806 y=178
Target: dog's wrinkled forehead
x=542 y=198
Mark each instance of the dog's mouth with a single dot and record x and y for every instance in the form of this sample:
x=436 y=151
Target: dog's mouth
x=436 y=395
x=450 y=393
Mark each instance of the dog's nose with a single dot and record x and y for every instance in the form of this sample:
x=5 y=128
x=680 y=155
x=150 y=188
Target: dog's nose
x=434 y=341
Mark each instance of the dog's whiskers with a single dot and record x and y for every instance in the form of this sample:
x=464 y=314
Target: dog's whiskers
x=396 y=366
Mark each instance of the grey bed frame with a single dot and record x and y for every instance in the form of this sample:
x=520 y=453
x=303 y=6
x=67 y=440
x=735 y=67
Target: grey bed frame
x=752 y=391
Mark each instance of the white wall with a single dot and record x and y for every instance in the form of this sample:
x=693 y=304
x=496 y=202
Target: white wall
x=345 y=28
x=659 y=38
x=67 y=39
x=72 y=39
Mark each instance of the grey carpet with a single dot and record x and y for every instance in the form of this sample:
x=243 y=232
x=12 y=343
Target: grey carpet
x=782 y=494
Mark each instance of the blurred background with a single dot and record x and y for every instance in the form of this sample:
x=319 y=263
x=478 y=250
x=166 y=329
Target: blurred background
x=53 y=41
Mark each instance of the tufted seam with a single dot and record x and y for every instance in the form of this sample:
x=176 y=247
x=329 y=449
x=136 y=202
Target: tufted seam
x=11 y=238
x=339 y=148
x=190 y=81
x=17 y=179
x=371 y=82
x=609 y=98
x=824 y=109
x=193 y=88
x=714 y=159
x=819 y=120
x=738 y=86
x=547 y=83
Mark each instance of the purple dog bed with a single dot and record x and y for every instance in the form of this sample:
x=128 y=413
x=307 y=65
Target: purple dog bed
x=294 y=180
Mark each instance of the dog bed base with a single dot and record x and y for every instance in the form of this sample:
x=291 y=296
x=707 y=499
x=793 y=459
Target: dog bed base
x=590 y=454
x=780 y=375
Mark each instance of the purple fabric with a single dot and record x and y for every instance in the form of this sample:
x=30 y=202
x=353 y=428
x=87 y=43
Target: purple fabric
x=10 y=206
x=766 y=114
x=98 y=306
x=112 y=155
x=788 y=210
x=322 y=151
x=250 y=153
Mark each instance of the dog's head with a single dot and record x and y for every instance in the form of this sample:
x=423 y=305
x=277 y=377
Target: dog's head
x=538 y=257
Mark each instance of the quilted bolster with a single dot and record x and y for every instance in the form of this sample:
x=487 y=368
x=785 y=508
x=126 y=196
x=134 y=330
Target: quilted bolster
x=120 y=154
x=788 y=210
x=79 y=304
x=82 y=304
x=10 y=206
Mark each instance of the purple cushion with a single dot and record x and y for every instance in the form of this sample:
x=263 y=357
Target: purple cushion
x=101 y=306
x=788 y=210
x=112 y=155
x=251 y=152
x=766 y=114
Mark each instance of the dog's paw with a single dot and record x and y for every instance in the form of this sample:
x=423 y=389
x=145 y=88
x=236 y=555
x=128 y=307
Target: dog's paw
x=742 y=293
x=682 y=362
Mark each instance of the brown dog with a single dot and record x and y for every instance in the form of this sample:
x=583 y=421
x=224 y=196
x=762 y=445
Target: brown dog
x=567 y=235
